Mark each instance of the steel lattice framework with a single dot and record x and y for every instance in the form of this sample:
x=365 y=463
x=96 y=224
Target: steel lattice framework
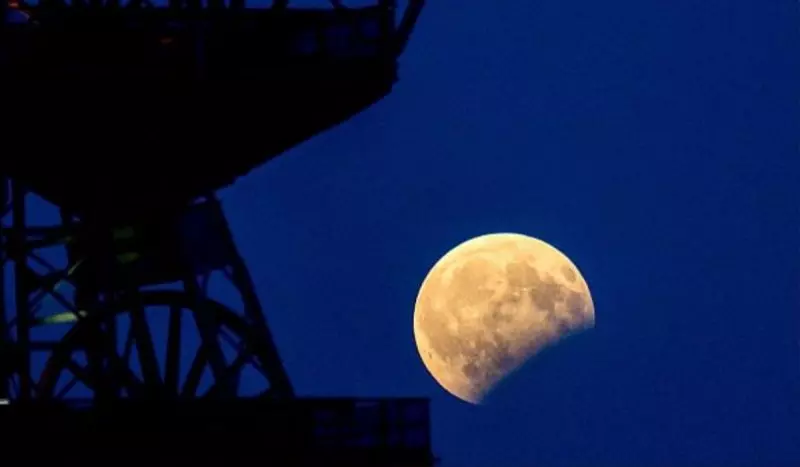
x=107 y=283
x=146 y=242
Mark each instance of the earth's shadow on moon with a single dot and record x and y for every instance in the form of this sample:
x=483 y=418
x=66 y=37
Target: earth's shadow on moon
x=553 y=371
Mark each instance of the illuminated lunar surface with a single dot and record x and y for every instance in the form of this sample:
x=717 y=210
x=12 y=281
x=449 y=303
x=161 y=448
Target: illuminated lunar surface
x=490 y=304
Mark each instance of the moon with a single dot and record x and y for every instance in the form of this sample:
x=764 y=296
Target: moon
x=490 y=304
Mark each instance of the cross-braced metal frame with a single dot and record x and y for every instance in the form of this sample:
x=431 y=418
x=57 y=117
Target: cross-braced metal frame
x=114 y=281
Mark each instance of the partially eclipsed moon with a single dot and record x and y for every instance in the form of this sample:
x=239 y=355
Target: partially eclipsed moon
x=490 y=304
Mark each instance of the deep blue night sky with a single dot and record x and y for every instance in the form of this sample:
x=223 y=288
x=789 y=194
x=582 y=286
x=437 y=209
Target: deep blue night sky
x=655 y=143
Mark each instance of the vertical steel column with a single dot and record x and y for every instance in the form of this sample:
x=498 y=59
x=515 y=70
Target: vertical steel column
x=5 y=339
x=22 y=312
x=88 y=298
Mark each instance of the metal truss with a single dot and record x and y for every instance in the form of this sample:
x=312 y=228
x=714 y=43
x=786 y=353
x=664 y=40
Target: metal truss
x=113 y=284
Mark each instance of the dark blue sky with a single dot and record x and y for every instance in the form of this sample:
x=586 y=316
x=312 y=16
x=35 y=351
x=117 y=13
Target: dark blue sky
x=655 y=143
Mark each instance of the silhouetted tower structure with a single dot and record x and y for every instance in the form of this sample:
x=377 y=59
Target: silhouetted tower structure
x=128 y=117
